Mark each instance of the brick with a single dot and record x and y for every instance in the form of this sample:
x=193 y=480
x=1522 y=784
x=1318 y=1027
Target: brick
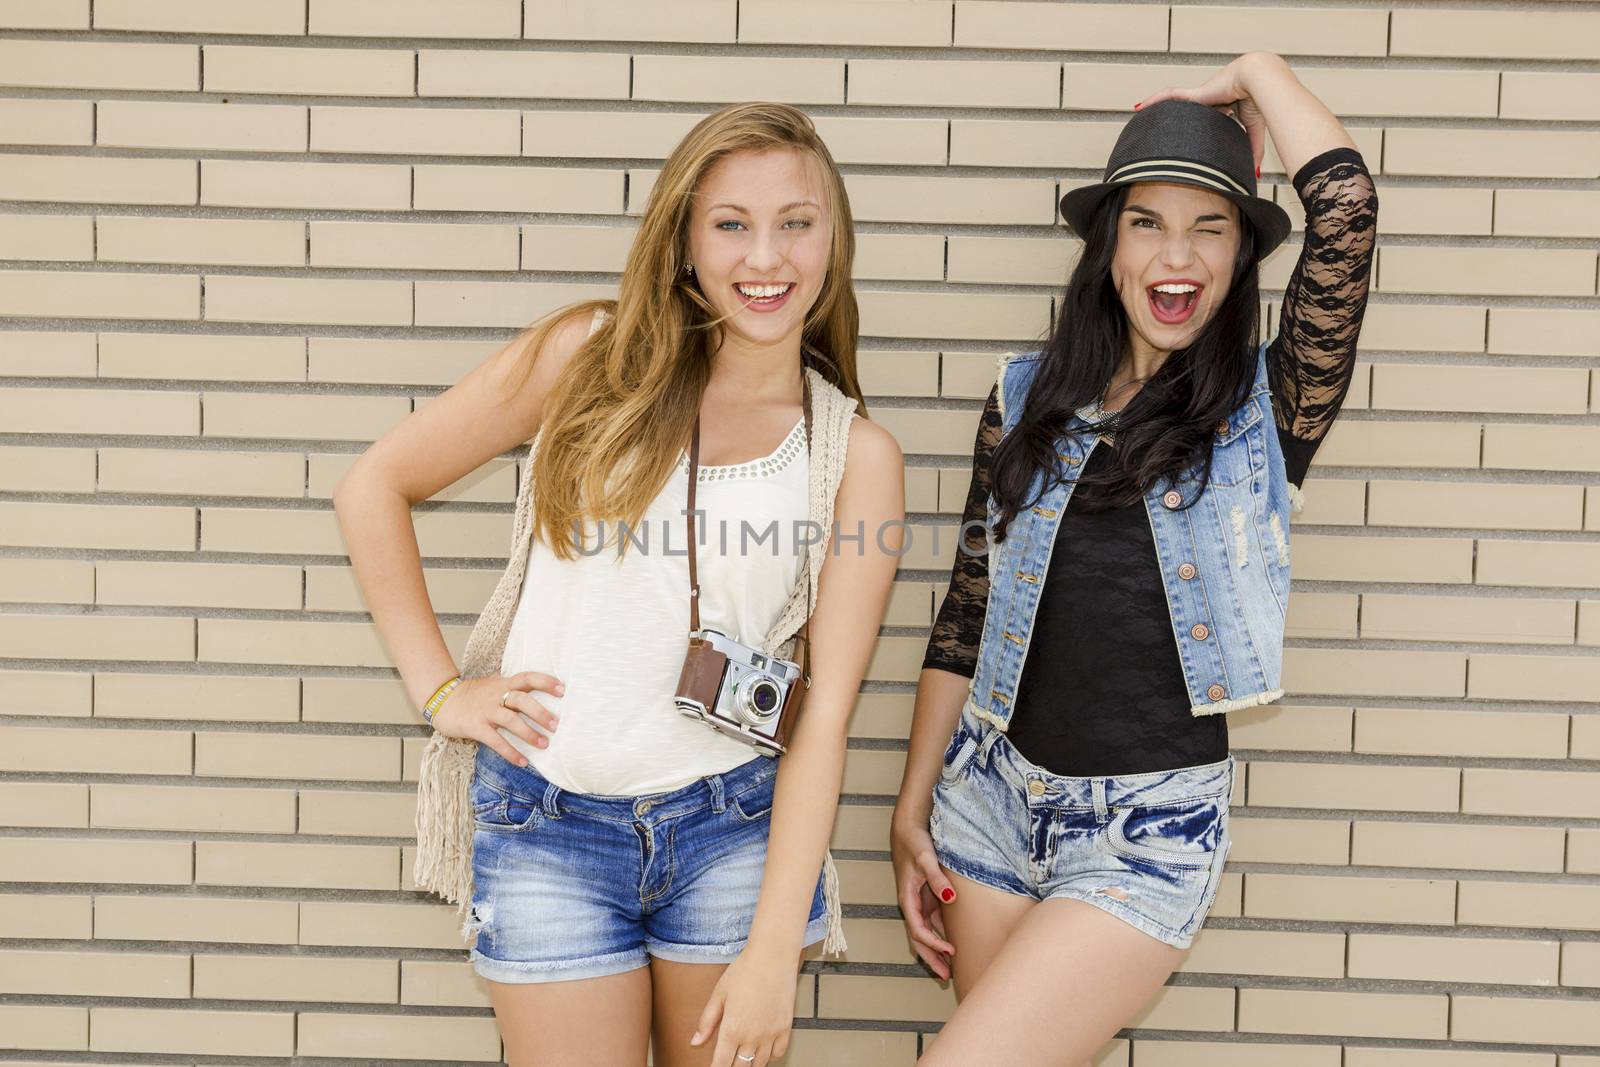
x=57 y=238
x=331 y=186
x=1016 y=260
x=551 y=75
x=197 y=584
x=1456 y=846
x=998 y=317
x=112 y=411
x=993 y=201
x=1476 y=505
x=196 y=696
x=45 y=1026
x=414 y=18
x=1480 y=734
x=46 y=15
x=311 y=71
x=1538 y=563
x=317 y=301
x=228 y=242
x=537 y=190
x=34 y=581
x=852 y=22
x=955 y=83
x=63 y=694
x=1432 y=211
x=139 y=807
x=1326 y=898
x=1375 y=673
x=299 y=978
x=1488 y=271
x=1343 y=786
x=213 y=357
x=307 y=756
x=94 y=974
x=94 y=751
x=142 y=861
x=1189 y=1053
x=1491 y=153
x=900 y=257
x=274 y=17
x=296 y=866
x=1031 y=143
x=603 y=134
x=1303 y=31
x=1305 y=1011
x=1560 y=213
x=100 y=295
x=1400 y=444
x=43 y=64
x=1284 y=727
x=1554 y=794
x=379 y=925
x=442 y=982
x=1478 y=1018
x=1527 y=446
x=1467 y=618
x=58 y=916
x=1084 y=27
x=718 y=79
x=200 y=1032
x=889 y=141
x=1423 y=328
x=1266 y=952
x=1495 y=34
x=1271 y=840
x=1532 y=905
x=230 y=920
x=697 y=21
x=434 y=131
x=1527 y=94
x=200 y=126
x=87 y=527
x=113 y=637
x=1546 y=390
x=1583 y=851
x=358 y=814
x=106 y=180
x=1507 y=677
x=455 y=1038
x=498 y=304
x=1580 y=964
x=1325 y=615
x=224 y=473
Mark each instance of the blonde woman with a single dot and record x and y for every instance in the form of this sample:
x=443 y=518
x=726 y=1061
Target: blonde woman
x=633 y=875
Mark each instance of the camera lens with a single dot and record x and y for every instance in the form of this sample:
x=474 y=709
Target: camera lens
x=764 y=696
x=756 y=698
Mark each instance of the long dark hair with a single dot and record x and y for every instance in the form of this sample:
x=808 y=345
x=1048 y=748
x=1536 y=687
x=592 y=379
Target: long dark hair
x=1166 y=430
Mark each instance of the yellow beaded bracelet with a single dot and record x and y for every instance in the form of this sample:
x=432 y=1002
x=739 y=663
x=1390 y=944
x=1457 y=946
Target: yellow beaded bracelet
x=439 y=694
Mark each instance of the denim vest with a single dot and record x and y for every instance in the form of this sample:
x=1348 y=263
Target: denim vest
x=1224 y=560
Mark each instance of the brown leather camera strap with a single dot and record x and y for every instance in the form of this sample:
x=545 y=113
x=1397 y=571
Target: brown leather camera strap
x=694 y=477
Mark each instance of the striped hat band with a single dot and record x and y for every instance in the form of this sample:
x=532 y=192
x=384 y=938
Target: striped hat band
x=1155 y=169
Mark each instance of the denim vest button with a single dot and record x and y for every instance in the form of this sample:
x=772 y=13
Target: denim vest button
x=1222 y=426
x=1186 y=571
x=1216 y=692
x=1172 y=498
x=1036 y=788
x=1200 y=631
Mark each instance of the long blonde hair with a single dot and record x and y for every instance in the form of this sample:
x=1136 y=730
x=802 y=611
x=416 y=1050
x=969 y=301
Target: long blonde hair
x=624 y=404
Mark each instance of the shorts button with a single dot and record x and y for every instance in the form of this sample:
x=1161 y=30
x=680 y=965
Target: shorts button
x=1216 y=692
x=1199 y=631
x=641 y=807
x=1172 y=498
x=1036 y=788
x=1186 y=571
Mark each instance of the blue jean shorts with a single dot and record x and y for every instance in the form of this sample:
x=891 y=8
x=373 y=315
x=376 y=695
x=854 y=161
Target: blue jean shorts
x=571 y=885
x=1148 y=848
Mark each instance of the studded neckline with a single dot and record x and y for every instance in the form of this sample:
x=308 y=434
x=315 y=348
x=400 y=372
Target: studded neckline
x=779 y=458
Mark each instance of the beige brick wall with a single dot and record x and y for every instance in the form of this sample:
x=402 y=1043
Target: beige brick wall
x=242 y=240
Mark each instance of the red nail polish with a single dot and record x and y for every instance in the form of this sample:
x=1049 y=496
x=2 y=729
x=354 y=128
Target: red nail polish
x=1258 y=170
x=948 y=895
x=1137 y=106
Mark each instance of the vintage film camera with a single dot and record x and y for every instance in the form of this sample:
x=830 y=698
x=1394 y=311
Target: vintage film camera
x=738 y=690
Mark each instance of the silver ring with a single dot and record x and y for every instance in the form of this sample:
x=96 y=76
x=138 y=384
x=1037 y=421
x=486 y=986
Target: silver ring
x=742 y=1056
x=504 y=696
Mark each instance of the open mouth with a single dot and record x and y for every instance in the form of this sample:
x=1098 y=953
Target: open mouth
x=764 y=297
x=1173 y=303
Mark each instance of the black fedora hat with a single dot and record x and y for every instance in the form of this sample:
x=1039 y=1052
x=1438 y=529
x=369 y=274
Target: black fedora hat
x=1193 y=144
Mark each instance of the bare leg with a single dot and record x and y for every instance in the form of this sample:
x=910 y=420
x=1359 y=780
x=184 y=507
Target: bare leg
x=590 y=1020
x=681 y=992
x=977 y=923
x=1102 y=969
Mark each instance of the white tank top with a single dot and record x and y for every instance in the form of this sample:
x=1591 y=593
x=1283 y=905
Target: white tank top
x=615 y=631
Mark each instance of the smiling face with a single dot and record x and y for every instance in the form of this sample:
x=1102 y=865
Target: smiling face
x=759 y=240
x=1177 y=237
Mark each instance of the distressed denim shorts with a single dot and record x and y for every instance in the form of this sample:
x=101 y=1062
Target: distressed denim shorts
x=570 y=885
x=1148 y=848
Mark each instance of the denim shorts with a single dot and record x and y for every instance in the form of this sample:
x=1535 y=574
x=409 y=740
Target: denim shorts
x=1148 y=848
x=570 y=885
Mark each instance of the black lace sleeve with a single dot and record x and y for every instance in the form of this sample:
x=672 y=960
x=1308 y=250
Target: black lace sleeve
x=1311 y=361
x=953 y=645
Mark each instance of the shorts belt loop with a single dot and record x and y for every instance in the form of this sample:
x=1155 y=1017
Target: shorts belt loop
x=718 y=800
x=1098 y=788
x=990 y=735
x=552 y=794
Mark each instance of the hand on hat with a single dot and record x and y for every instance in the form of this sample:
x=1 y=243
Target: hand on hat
x=1224 y=90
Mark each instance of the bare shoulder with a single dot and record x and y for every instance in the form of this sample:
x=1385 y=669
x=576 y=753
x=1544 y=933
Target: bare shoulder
x=872 y=454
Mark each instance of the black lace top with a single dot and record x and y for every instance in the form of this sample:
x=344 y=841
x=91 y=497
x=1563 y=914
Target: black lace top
x=1102 y=688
